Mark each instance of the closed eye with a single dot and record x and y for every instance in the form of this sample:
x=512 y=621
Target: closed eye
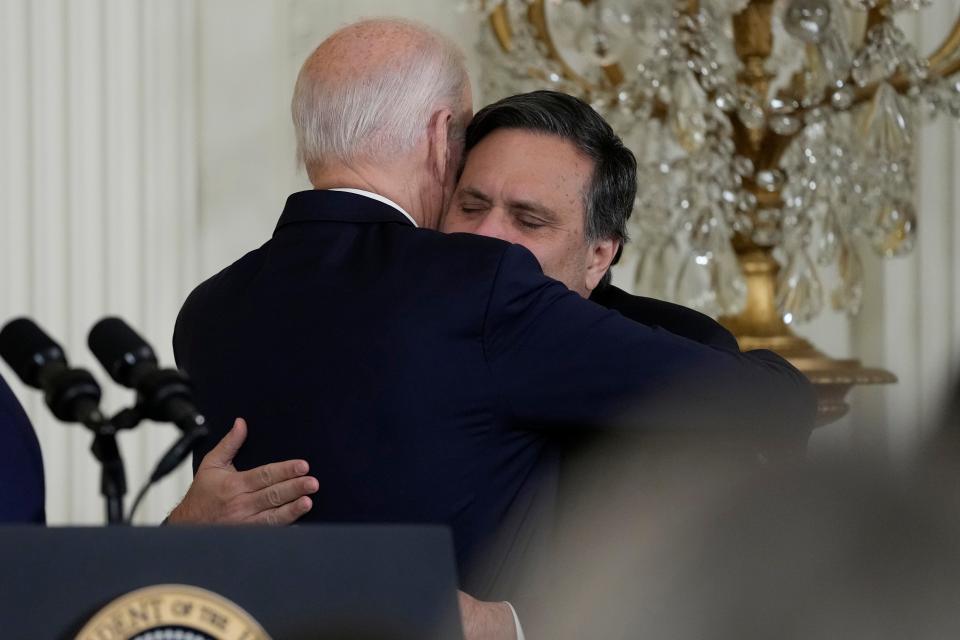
x=473 y=200
x=530 y=224
x=532 y=215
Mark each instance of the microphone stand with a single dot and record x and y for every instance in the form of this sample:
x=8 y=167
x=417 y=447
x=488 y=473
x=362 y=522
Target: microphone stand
x=113 y=477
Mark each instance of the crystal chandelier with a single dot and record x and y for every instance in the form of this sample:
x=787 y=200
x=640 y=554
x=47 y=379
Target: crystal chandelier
x=774 y=142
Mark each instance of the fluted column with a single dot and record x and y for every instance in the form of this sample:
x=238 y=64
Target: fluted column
x=98 y=189
x=910 y=323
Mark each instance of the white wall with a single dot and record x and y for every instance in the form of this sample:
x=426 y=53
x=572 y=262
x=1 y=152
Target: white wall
x=145 y=144
x=910 y=323
x=98 y=176
x=251 y=52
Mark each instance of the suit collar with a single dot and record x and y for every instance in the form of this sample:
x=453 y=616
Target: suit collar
x=338 y=206
x=378 y=198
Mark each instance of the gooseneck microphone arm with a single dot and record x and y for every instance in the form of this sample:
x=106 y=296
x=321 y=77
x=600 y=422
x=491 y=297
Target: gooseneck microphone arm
x=73 y=395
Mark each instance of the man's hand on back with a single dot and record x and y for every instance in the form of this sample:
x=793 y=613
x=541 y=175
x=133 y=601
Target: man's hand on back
x=486 y=620
x=278 y=494
x=274 y=494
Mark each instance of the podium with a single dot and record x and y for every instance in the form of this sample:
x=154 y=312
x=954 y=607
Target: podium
x=364 y=582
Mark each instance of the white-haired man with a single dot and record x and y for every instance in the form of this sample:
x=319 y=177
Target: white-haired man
x=407 y=366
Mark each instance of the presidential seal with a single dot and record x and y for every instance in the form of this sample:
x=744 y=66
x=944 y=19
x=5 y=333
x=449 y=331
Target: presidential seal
x=172 y=612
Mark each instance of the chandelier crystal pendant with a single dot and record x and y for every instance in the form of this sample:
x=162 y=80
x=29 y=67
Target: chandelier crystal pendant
x=774 y=140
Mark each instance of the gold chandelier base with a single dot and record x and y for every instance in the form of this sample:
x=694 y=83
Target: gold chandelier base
x=759 y=326
x=832 y=378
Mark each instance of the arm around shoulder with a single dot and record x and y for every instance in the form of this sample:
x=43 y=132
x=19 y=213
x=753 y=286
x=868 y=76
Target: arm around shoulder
x=557 y=358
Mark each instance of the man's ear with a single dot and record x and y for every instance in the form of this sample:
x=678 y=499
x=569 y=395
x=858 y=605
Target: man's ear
x=599 y=258
x=439 y=136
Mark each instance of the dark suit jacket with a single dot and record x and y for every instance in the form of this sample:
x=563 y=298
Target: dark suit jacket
x=522 y=545
x=405 y=364
x=674 y=318
x=21 y=469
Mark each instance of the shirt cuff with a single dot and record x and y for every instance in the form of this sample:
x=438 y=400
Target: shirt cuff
x=516 y=622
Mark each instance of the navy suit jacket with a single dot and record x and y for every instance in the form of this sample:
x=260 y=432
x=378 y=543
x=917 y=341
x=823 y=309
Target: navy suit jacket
x=21 y=469
x=407 y=366
x=674 y=318
x=526 y=536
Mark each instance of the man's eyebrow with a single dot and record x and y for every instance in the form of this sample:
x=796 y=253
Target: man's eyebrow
x=475 y=193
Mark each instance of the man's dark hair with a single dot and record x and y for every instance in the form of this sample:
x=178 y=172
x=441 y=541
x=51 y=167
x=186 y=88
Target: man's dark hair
x=608 y=201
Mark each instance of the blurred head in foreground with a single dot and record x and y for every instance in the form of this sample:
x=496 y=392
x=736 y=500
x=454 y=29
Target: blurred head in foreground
x=686 y=543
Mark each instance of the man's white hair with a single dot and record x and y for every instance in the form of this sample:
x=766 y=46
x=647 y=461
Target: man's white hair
x=381 y=111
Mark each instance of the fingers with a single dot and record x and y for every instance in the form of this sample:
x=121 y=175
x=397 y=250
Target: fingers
x=270 y=474
x=283 y=493
x=222 y=455
x=284 y=515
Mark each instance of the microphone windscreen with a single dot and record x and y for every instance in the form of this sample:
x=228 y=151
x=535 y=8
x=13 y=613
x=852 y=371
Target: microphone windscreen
x=27 y=349
x=119 y=348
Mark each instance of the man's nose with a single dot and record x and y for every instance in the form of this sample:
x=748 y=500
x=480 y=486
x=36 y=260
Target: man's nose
x=495 y=225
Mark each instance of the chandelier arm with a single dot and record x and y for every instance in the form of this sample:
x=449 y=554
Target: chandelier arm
x=899 y=81
x=947 y=48
x=948 y=69
x=938 y=64
x=537 y=16
x=878 y=14
x=500 y=23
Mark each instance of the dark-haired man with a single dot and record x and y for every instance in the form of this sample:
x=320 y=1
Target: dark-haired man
x=545 y=171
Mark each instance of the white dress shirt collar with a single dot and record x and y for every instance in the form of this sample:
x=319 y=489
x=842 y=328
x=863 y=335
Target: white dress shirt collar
x=379 y=198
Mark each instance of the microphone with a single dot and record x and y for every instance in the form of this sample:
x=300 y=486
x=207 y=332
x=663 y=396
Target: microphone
x=163 y=395
x=72 y=394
